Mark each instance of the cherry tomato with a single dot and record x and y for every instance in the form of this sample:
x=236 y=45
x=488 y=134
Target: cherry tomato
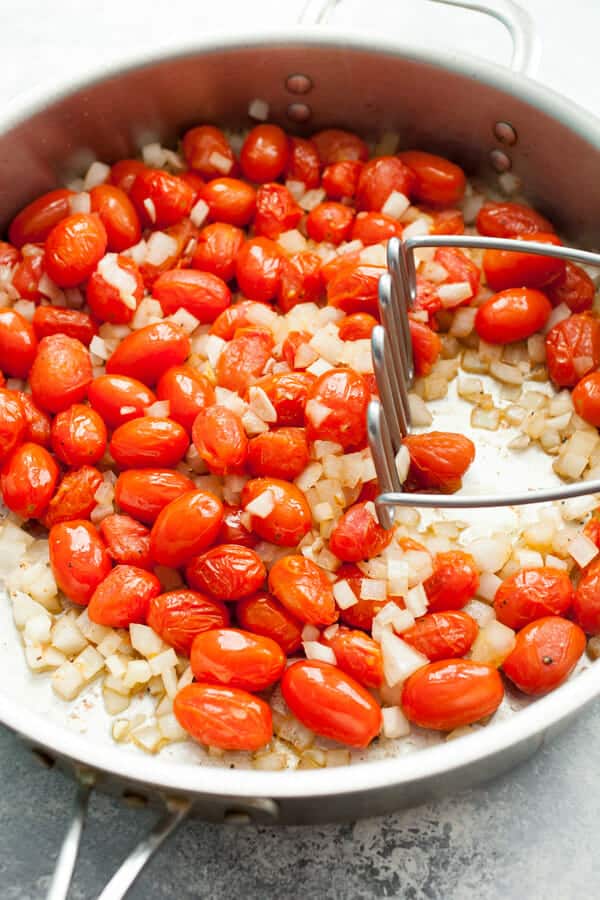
x=459 y=268
x=74 y=248
x=57 y=320
x=357 y=655
x=235 y=658
x=27 y=274
x=303 y=163
x=442 y=635
x=278 y=454
x=451 y=693
x=78 y=436
x=124 y=173
x=263 y=614
x=161 y=199
x=36 y=220
x=200 y=143
x=146 y=354
x=195 y=182
x=353 y=289
x=60 y=374
x=573 y=349
x=509 y=220
x=119 y=399
x=217 y=249
x=258 y=269
x=300 y=280
x=545 y=654
x=144 y=493
x=586 y=603
x=374 y=228
x=336 y=409
x=276 y=211
x=511 y=269
x=379 y=178
x=187 y=392
x=357 y=327
x=227 y=572
x=230 y=200
x=228 y=718
x=18 y=343
x=264 y=153
x=244 y=358
x=117 y=214
x=27 y=480
x=148 y=441
x=38 y=423
x=290 y=518
x=234 y=529
x=185 y=528
x=426 y=347
x=446 y=221
x=123 y=597
x=340 y=179
x=531 y=594
x=453 y=583
x=292 y=344
x=220 y=439
x=75 y=496
x=304 y=590
x=586 y=398
x=127 y=541
x=512 y=315
x=178 y=616
x=331 y=222
x=438 y=181
x=288 y=392
x=574 y=287
x=357 y=535
x=78 y=558
x=203 y=295
x=331 y=703
x=439 y=459
x=234 y=318
x=110 y=301
x=334 y=145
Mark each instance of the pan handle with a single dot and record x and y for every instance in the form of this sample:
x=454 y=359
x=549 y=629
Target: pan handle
x=516 y=20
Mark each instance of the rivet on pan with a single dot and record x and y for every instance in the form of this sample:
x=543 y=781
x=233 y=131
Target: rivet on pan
x=299 y=112
x=505 y=133
x=236 y=817
x=298 y=84
x=501 y=161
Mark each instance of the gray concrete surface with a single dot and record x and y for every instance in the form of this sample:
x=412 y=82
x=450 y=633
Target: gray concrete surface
x=528 y=835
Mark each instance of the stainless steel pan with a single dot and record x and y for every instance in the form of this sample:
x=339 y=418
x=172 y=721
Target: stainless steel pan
x=488 y=118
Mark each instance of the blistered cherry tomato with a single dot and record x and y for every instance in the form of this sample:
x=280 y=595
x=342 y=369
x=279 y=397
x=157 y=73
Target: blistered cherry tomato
x=119 y=399
x=78 y=436
x=236 y=658
x=290 y=518
x=227 y=572
x=336 y=409
x=330 y=221
x=448 y=694
x=573 y=349
x=124 y=173
x=288 y=392
x=303 y=163
x=27 y=274
x=438 y=182
x=263 y=614
x=112 y=303
x=195 y=182
x=74 y=248
x=509 y=220
x=304 y=590
x=574 y=287
x=511 y=269
x=202 y=294
x=57 y=320
x=235 y=528
x=234 y=318
x=439 y=459
x=379 y=178
x=38 y=423
x=78 y=558
x=18 y=343
x=454 y=581
x=442 y=635
x=217 y=249
x=353 y=289
x=220 y=439
x=258 y=269
x=586 y=604
x=243 y=359
x=545 y=654
x=512 y=315
x=60 y=374
x=282 y=453
x=459 y=268
x=144 y=493
x=187 y=392
x=447 y=221
x=357 y=654
x=147 y=353
x=335 y=145
x=179 y=615
x=292 y=344
x=228 y=718
x=300 y=280
x=374 y=227
x=357 y=535
x=200 y=143
x=161 y=199
x=36 y=220
x=426 y=347
x=276 y=211
x=531 y=594
x=27 y=480
x=341 y=178
x=118 y=216
x=586 y=398
x=127 y=541
x=331 y=703
x=75 y=496
x=230 y=200
x=264 y=153
x=357 y=327
x=123 y=597
x=185 y=528
x=148 y=441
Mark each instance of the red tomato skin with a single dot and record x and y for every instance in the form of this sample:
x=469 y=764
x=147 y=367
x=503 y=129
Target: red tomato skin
x=18 y=343
x=426 y=347
x=179 y=615
x=335 y=145
x=185 y=528
x=374 y=228
x=232 y=319
x=74 y=498
x=148 y=353
x=509 y=220
x=451 y=693
x=279 y=454
x=28 y=480
x=303 y=589
x=56 y=320
x=453 y=583
x=439 y=459
x=574 y=287
x=117 y=214
x=546 y=652
x=378 y=178
x=123 y=597
x=357 y=535
x=341 y=178
x=291 y=345
x=243 y=359
x=291 y=518
x=438 y=181
x=144 y=493
x=217 y=249
x=187 y=391
x=264 y=153
x=459 y=268
x=447 y=221
x=531 y=594
x=586 y=398
x=258 y=269
x=331 y=703
x=74 y=248
x=118 y=398
x=123 y=173
x=573 y=349
x=235 y=658
x=300 y=280
x=303 y=163
x=203 y=295
x=78 y=436
x=442 y=635
x=512 y=315
x=511 y=269
x=357 y=655
x=230 y=200
x=27 y=274
x=127 y=541
x=13 y=422
x=105 y=300
x=262 y=614
x=228 y=718
x=38 y=423
x=171 y=198
x=233 y=529
x=288 y=392
x=198 y=146
x=276 y=211
x=78 y=558
x=357 y=327
x=331 y=222
x=353 y=289
x=149 y=441
x=60 y=374
x=36 y=220
x=227 y=572
x=347 y=395
x=586 y=603
x=220 y=439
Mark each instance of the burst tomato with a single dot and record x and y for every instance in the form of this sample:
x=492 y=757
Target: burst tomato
x=178 y=616
x=426 y=347
x=335 y=145
x=123 y=597
x=303 y=163
x=300 y=280
x=454 y=581
x=586 y=603
x=78 y=558
x=573 y=349
x=220 y=439
x=357 y=535
x=243 y=360
x=340 y=179
x=75 y=496
x=227 y=572
x=56 y=320
x=545 y=654
x=112 y=302
x=574 y=287
x=127 y=541
x=509 y=220
x=276 y=211
x=357 y=654
x=217 y=249
x=353 y=289
x=379 y=178
x=442 y=635
x=336 y=409
x=288 y=392
x=207 y=151
x=531 y=594
x=439 y=459
x=258 y=269
x=38 y=423
x=278 y=454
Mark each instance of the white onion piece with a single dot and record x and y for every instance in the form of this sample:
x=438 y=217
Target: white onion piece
x=394 y=722
x=316 y=650
x=399 y=659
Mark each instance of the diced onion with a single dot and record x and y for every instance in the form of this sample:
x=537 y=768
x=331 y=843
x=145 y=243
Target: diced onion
x=582 y=550
x=344 y=595
x=159 y=248
x=395 y=724
x=373 y=589
x=262 y=505
x=316 y=650
x=493 y=644
x=396 y=205
x=258 y=109
x=199 y=213
x=399 y=659
x=454 y=293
